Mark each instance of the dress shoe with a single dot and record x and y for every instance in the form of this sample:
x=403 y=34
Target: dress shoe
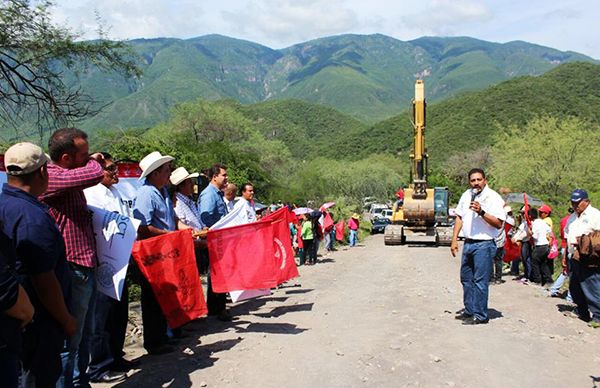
x=463 y=316
x=161 y=349
x=475 y=321
x=110 y=377
x=123 y=365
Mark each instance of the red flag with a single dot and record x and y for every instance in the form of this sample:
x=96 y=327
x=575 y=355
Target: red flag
x=252 y=256
x=327 y=223
x=512 y=251
x=339 y=230
x=169 y=264
x=242 y=257
x=282 y=241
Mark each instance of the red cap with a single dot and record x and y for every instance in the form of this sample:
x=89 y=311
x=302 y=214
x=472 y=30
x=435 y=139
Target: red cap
x=545 y=209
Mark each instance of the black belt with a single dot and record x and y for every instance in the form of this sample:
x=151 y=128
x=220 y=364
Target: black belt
x=474 y=241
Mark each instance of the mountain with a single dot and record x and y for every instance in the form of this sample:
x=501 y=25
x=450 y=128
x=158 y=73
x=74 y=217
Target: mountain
x=366 y=76
x=468 y=122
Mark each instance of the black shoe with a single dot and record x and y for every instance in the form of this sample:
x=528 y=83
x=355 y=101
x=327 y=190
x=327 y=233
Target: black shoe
x=161 y=349
x=110 y=377
x=123 y=365
x=475 y=321
x=463 y=316
x=224 y=316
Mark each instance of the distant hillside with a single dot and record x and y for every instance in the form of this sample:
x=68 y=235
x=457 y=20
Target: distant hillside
x=367 y=76
x=467 y=122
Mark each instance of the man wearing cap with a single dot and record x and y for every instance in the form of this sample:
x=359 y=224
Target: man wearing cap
x=40 y=262
x=72 y=170
x=212 y=209
x=479 y=214
x=110 y=316
x=584 y=283
x=154 y=208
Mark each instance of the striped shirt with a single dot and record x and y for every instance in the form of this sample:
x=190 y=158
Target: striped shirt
x=68 y=207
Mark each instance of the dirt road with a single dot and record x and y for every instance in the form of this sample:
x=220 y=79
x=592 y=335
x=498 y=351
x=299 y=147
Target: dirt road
x=382 y=316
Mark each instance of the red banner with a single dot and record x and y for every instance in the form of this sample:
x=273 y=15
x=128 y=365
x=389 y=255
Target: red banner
x=512 y=251
x=169 y=264
x=339 y=230
x=252 y=256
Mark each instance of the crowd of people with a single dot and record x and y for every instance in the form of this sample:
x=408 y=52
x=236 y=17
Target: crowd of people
x=491 y=232
x=56 y=328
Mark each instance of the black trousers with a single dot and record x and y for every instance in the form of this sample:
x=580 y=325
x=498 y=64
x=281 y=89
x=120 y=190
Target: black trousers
x=540 y=271
x=155 y=324
x=215 y=302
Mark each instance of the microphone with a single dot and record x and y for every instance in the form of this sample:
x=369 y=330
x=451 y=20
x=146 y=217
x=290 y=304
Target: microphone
x=474 y=194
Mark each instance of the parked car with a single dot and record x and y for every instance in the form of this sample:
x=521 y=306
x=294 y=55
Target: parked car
x=376 y=210
x=378 y=225
x=387 y=213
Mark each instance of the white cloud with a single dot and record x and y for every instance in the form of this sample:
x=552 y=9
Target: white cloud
x=448 y=17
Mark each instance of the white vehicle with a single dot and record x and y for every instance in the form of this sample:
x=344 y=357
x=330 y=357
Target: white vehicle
x=387 y=213
x=376 y=210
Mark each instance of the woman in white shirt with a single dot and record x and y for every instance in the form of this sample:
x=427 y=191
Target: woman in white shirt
x=540 y=232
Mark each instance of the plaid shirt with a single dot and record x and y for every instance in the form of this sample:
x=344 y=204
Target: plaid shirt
x=187 y=211
x=68 y=207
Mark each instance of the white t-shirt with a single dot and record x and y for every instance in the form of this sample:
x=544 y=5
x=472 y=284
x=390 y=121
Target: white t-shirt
x=586 y=223
x=248 y=209
x=107 y=198
x=473 y=225
x=540 y=231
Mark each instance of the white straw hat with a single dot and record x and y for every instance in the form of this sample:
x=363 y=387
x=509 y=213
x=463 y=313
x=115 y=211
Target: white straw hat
x=152 y=161
x=180 y=174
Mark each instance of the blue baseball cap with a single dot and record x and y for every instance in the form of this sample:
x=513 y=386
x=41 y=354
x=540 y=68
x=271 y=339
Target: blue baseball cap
x=578 y=195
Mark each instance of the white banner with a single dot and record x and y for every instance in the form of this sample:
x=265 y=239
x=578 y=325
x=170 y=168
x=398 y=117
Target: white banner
x=115 y=235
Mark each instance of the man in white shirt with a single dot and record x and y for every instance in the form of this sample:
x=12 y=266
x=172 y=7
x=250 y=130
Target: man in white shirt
x=106 y=345
x=479 y=214
x=247 y=202
x=584 y=283
x=229 y=196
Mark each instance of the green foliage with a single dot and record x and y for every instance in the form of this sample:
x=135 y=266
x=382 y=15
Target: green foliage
x=35 y=54
x=548 y=158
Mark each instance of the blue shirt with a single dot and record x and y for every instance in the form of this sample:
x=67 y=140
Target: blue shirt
x=212 y=206
x=154 y=208
x=38 y=243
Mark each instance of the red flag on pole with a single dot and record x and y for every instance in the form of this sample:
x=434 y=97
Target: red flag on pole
x=327 y=223
x=339 y=230
x=169 y=265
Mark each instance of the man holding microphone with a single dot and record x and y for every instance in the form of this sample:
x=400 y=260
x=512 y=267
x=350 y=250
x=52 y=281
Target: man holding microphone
x=479 y=214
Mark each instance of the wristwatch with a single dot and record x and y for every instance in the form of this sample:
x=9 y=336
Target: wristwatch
x=481 y=213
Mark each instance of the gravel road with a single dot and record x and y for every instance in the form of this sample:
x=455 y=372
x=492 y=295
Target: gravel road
x=381 y=316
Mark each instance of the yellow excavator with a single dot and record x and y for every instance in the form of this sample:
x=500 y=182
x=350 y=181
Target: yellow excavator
x=423 y=216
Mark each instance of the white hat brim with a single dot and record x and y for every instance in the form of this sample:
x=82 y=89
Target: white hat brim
x=156 y=164
x=178 y=181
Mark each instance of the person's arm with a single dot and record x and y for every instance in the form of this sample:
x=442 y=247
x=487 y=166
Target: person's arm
x=487 y=217
x=454 y=243
x=50 y=294
x=22 y=309
x=147 y=231
x=61 y=180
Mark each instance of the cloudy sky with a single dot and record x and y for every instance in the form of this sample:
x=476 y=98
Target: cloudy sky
x=562 y=24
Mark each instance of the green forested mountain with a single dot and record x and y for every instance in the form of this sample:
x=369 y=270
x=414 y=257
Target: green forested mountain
x=369 y=77
x=468 y=122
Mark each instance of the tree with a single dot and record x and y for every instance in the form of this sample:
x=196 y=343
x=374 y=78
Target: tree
x=34 y=56
x=548 y=158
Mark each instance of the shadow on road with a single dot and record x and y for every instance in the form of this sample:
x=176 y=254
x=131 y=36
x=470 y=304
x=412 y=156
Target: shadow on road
x=494 y=314
x=155 y=372
x=281 y=310
x=303 y=291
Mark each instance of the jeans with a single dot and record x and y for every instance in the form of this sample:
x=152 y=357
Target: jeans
x=526 y=258
x=353 y=237
x=577 y=292
x=475 y=270
x=75 y=356
x=327 y=241
x=590 y=285
x=9 y=367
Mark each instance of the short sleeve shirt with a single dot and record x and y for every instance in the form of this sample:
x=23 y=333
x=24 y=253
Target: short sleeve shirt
x=212 y=205
x=539 y=231
x=586 y=223
x=474 y=226
x=153 y=207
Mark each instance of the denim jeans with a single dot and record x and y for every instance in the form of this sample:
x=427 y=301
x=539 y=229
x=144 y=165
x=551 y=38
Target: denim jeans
x=75 y=356
x=475 y=270
x=590 y=285
x=353 y=237
x=576 y=290
x=498 y=264
x=526 y=258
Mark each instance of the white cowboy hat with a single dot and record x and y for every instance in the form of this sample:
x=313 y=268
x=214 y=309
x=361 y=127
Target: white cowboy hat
x=180 y=174
x=152 y=161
